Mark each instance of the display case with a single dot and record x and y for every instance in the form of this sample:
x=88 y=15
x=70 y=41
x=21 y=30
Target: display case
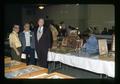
x=13 y=65
x=26 y=72
x=56 y=75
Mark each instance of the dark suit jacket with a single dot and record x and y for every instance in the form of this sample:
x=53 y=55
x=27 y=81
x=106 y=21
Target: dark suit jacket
x=23 y=41
x=45 y=41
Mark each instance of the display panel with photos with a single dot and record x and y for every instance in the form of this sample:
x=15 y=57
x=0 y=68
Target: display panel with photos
x=103 y=48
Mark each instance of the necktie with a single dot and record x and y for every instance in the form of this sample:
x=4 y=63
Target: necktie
x=39 y=33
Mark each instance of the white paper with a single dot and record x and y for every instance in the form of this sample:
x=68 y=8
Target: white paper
x=23 y=56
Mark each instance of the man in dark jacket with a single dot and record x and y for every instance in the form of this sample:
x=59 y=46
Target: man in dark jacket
x=42 y=42
x=28 y=44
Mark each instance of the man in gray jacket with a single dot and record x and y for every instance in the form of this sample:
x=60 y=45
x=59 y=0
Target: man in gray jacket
x=28 y=44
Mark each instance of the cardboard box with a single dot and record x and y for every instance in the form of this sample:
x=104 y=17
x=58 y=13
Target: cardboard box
x=27 y=72
x=13 y=65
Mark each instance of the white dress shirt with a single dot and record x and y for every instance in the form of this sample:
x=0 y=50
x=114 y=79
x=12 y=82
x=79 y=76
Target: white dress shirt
x=27 y=37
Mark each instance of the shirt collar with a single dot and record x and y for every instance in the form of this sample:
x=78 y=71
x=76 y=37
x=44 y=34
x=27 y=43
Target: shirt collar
x=27 y=31
x=40 y=28
x=15 y=32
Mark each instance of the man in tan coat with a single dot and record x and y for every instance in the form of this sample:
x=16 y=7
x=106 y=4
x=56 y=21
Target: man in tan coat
x=54 y=35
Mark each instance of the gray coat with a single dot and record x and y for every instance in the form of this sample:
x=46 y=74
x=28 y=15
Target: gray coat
x=23 y=41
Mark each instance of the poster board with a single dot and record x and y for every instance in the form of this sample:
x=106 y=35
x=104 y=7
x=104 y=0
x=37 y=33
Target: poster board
x=103 y=48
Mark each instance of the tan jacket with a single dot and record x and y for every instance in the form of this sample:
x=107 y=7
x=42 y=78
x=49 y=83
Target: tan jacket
x=14 y=40
x=54 y=33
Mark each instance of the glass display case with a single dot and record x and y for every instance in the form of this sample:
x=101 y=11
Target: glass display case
x=26 y=72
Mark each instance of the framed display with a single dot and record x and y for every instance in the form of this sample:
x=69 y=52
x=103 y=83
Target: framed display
x=103 y=48
x=26 y=72
x=40 y=76
x=13 y=65
x=56 y=75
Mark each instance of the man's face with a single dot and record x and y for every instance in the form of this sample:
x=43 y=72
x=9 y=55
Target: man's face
x=16 y=28
x=27 y=27
x=40 y=22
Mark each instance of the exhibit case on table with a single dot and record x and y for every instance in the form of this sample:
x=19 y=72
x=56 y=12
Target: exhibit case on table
x=56 y=75
x=26 y=72
x=13 y=65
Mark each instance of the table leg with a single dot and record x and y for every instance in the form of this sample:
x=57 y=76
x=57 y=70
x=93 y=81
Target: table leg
x=106 y=76
x=60 y=65
x=101 y=75
x=51 y=67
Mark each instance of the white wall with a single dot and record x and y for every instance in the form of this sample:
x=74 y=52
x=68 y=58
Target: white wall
x=82 y=16
x=70 y=14
x=101 y=16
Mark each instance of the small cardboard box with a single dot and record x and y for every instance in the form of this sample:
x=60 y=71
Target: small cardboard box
x=14 y=65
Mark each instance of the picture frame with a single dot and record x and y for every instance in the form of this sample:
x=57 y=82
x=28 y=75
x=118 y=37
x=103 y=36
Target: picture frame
x=26 y=72
x=103 y=48
x=14 y=65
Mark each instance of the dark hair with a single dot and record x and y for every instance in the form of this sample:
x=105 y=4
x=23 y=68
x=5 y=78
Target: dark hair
x=40 y=18
x=15 y=25
x=26 y=23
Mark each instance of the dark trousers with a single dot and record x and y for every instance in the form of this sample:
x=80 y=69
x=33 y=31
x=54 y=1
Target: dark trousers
x=14 y=54
x=42 y=58
x=30 y=55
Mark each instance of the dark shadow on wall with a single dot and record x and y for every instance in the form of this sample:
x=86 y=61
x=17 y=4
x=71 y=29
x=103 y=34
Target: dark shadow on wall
x=12 y=15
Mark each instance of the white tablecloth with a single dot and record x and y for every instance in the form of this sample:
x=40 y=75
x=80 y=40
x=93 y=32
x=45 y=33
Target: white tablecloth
x=92 y=64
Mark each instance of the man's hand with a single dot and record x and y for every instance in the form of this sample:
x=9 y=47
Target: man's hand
x=18 y=53
x=49 y=49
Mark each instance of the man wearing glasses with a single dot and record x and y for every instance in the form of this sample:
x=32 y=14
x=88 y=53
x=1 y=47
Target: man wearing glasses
x=15 y=43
